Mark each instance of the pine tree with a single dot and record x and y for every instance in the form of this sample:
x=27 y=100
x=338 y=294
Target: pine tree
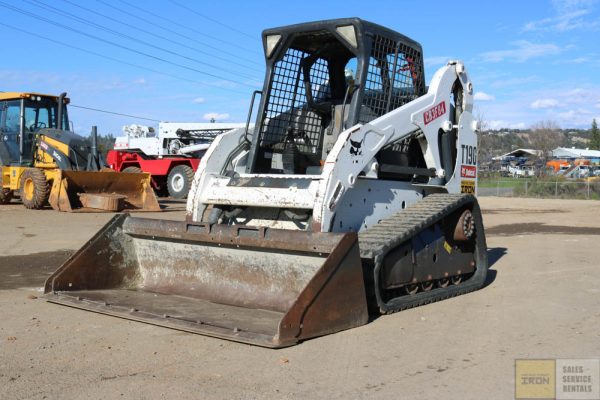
x=595 y=140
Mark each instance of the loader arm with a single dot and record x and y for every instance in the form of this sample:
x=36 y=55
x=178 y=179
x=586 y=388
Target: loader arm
x=221 y=179
x=346 y=163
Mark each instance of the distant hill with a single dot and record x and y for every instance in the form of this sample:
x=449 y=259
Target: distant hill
x=494 y=143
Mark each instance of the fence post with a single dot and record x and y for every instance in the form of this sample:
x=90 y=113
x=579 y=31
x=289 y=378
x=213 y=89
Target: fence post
x=525 y=188
x=556 y=190
x=498 y=188
x=588 y=189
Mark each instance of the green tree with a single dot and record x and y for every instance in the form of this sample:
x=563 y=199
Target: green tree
x=595 y=139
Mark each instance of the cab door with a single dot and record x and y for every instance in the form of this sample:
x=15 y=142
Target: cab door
x=10 y=130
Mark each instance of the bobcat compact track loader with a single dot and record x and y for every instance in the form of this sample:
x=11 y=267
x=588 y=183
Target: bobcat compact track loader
x=43 y=162
x=354 y=192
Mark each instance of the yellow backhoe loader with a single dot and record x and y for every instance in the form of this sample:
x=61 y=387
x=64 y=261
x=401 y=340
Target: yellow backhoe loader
x=44 y=162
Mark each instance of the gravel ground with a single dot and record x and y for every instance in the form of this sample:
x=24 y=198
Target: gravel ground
x=542 y=301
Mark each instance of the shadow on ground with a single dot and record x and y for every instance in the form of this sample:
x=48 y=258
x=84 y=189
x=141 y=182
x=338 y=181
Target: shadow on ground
x=494 y=254
x=30 y=270
x=540 y=228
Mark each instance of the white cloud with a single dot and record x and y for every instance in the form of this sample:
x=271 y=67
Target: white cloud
x=496 y=124
x=482 y=96
x=570 y=15
x=569 y=106
x=578 y=60
x=199 y=100
x=581 y=96
x=564 y=22
x=434 y=61
x=215 y=116
x=567 y=114
x=580 y=117
x=523 y=51
x=544 y=103
x=578 y=92
x=140 y=81
x=502 y=83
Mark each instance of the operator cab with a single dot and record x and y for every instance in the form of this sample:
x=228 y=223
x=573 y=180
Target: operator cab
x=322 y=78
x=22 y=115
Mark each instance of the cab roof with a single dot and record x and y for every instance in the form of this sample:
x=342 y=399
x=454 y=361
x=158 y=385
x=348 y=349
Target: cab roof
x=363 y=30
x=26 y=95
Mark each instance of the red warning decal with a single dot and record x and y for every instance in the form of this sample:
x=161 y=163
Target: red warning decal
x=434 y=113
x=468 y=171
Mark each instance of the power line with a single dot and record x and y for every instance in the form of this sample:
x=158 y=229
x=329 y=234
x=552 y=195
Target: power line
x=115 y=113
x=104 y=28
x=68 y=45
x=162 y=17
x=212 y=19
x=33 y=15
x=109 y=112
x=121 y=22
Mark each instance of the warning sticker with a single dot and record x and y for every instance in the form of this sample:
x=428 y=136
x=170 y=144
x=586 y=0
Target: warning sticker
x=467 y=186
x=468 y=171
x=448 y=247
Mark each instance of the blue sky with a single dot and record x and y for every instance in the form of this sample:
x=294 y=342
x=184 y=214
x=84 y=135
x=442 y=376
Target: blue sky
x=185 y=61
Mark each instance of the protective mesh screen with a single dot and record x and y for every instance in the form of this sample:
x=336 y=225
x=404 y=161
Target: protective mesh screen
x=392 y=78
x=286 y=113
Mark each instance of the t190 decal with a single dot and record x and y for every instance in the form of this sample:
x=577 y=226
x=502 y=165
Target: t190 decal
x=468 y=154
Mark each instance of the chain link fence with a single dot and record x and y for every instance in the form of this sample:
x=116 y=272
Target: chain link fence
x=542 y=189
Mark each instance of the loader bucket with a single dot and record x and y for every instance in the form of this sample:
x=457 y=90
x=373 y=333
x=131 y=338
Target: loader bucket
x=262 y=286
x=99 y=191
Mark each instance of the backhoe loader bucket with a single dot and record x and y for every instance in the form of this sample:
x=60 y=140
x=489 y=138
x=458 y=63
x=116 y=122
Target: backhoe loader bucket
x=98 y=191
x=261 y=286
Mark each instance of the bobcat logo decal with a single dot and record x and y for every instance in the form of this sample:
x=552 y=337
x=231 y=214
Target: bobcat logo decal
x=355 y=147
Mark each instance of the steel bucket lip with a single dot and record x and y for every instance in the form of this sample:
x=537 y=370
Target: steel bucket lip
x=206 y=329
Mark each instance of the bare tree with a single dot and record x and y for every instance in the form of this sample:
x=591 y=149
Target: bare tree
x=484 y=148
x=545 y=136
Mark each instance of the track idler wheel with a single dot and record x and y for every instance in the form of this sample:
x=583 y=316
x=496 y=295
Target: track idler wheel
x=426 y=286
x=412 y=288
x=465 y=227
x=444 y=282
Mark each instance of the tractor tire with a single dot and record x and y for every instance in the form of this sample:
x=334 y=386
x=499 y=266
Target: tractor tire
x=34 y=188
x=6 y=196
x=133 y=170
x=179 y=181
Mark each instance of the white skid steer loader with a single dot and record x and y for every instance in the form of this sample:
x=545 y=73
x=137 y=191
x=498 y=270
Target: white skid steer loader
x=353 y=193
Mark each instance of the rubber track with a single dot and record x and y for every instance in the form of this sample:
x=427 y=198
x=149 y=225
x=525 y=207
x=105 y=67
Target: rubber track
x=379 y=239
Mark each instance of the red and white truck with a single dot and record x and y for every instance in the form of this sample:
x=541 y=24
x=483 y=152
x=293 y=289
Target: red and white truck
x=170 y=155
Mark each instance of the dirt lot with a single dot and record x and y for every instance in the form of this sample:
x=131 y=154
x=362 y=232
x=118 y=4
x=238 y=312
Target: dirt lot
x=542 y=301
